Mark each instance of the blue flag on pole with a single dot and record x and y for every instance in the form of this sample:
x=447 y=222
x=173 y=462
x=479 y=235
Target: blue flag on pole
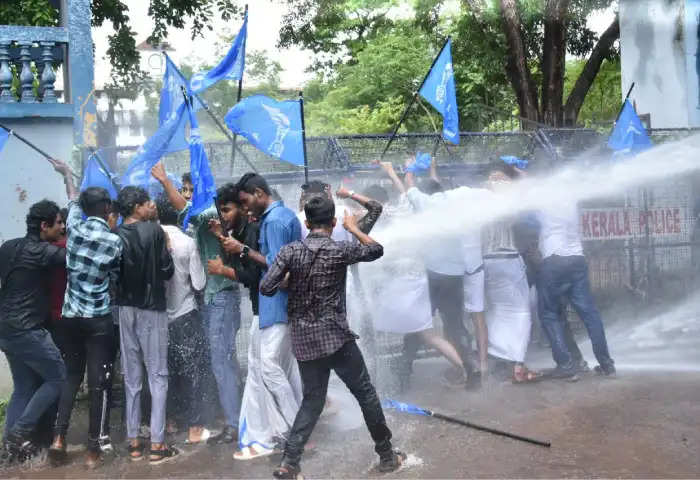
x=96 y=176
x=202 y=179
x=171 y=98
x=404 y=407
x=229 y=68
x=439 y=90
x=273 y=127
x=629 y=134
x=4 y=135
x=139 y=171
x=421 y=164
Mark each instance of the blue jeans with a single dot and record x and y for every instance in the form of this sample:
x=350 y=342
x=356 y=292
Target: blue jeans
x=567 y=277
x=38 y=374
x=223 y=319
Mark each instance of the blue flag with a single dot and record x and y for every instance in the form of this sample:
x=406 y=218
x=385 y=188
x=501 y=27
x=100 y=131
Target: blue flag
x=229 y=68
x=404 y=407
x=171 y=98
x=273 y=127
x=629 y=134
x=4 y=135
x=139 y=171
x=96 y=176
x=515 y=161
x=202 y=179
x=439 y=90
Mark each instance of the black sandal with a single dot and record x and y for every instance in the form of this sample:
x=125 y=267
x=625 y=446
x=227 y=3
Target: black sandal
x=135 y=449
x=163 y=455
x=288 y=472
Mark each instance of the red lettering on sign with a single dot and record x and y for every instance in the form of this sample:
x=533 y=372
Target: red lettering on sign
x=585 y=225
x=594 y=224
x=603 y=224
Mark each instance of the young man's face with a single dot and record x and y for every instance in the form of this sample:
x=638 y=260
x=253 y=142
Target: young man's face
x=54 y=232
x=231 y=214
x=187 y=191
x=253 y=202
x=146 y=211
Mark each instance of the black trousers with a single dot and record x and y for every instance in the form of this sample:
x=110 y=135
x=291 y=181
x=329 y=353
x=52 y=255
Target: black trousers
x=185 y=365
x=86 y=342
x=349 y=365
x=446 y=296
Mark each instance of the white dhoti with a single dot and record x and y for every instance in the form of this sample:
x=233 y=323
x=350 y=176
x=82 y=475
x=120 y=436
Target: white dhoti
x=403 y=305
x=272 y=393
x=507 y=308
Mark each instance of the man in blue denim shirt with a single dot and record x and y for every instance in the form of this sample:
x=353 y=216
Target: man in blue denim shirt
x=279 y=371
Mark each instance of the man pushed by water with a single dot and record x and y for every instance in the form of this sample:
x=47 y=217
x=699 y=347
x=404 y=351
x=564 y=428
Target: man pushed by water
x=321 y=338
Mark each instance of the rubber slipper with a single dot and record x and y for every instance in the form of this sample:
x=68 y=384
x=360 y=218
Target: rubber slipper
x=248 y=453
x=206 y=435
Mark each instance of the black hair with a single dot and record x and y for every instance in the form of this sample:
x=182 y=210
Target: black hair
x=93 y=201
x=64 y=214
x=429 y=186
x=187 y=178
x=315 y=186
x=320 y=211
x=129 y=197
x=43 y=211
x=377 y=192
x=250 y=181
x=227 y=193
x=166 y=211
x=506 y=169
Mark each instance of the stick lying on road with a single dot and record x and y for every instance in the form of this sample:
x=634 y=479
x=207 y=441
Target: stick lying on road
x=408 y=408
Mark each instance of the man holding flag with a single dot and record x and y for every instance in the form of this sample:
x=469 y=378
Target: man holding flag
x=221 y=310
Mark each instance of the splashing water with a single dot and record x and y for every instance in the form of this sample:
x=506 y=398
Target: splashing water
x=465 y=209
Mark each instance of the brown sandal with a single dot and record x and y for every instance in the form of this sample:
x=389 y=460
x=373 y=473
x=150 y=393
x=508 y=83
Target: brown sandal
x=523 y=375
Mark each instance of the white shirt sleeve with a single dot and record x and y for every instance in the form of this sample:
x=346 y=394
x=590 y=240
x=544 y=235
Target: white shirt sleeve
x=197 y=275
x=417 y=198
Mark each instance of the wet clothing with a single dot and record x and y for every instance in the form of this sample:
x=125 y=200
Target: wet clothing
x=349 y=365
x=146 y=265
x=188 y=276
x=86 y=342
x=278 y=227
x=57 y=287
x=317 y=284
x=209 y=248
x=248 y=272
x=92 y=259
x=24 y=265
x=365 y=224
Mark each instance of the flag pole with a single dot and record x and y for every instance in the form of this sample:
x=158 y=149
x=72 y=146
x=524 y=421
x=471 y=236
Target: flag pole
x=622 y=107
x=413 y=100
x=238 y=98
x=104 y=167
x=32 y=146
x=303 y=137
x=213 y=117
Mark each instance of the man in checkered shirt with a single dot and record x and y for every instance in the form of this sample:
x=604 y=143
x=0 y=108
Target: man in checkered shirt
x=321 y=337
x=85 y=333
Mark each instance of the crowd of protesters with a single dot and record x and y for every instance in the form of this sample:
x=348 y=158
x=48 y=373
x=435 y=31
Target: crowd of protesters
x=107 y=279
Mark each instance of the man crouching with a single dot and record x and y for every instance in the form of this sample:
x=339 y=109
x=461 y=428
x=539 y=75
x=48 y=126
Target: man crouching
x=321 y=337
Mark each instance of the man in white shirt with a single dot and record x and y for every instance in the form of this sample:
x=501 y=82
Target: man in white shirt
x=186 y=342
x=564 y=273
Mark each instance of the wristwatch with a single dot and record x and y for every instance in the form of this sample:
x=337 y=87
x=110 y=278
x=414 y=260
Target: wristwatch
x=245 y=251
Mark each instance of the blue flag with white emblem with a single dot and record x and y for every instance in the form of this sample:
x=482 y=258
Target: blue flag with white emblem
x=271 y=126
x=139 y=171
x=229 y=68
x=171 y=98
x=4 y=135
x=202 y=179
x=96 y=176
x=629 y=134
x=439 y=89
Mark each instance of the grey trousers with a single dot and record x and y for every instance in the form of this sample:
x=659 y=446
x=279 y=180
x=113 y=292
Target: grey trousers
x=144 y=340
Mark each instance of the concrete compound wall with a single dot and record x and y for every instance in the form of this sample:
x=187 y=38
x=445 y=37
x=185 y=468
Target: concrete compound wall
x=27 y=178
x=659 y=47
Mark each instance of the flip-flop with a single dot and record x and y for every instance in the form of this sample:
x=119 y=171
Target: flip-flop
x=206 y=435
x=251 y=453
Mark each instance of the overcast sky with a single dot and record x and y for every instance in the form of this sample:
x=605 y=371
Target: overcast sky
x=264 y=21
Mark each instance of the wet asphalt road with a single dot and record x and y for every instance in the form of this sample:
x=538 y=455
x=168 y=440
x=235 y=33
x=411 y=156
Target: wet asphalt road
x=641 y=424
